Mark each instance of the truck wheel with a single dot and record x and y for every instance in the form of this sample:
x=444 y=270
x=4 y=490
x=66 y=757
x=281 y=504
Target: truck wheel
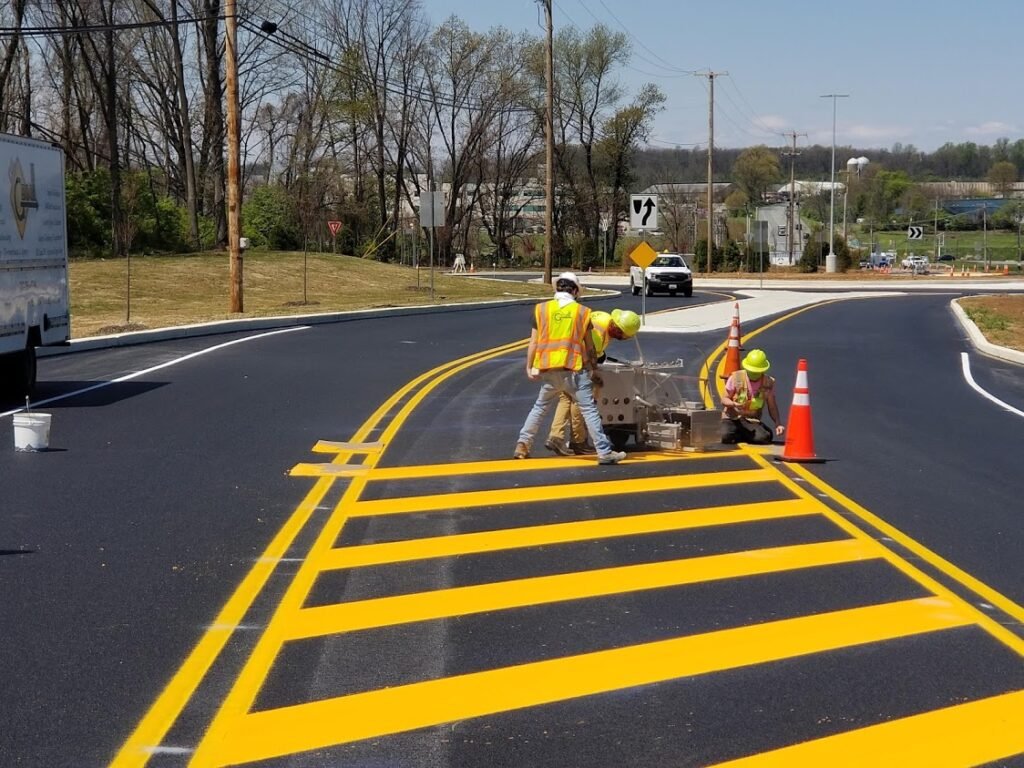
x=18 y=373
x=619 y=436
x=688 y=291
x=647 y=288
x=634 y=289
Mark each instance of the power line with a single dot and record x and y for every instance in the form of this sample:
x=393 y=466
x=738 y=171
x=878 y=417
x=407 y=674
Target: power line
x=87 y=29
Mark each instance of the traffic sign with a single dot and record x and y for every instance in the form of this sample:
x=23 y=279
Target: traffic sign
x=915 y=233
x=643 y=255
x=431 y=209
x=335 y=227
x=643 y=211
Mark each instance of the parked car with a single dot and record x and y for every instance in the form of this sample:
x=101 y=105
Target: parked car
x=947 y=257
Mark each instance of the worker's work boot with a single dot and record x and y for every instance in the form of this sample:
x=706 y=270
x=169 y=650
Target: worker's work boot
x=558 y=446
x=583 y=449
x=521 y=451
x=612 y=457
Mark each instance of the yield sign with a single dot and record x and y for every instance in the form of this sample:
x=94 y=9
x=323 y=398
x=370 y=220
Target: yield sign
x=334 y=226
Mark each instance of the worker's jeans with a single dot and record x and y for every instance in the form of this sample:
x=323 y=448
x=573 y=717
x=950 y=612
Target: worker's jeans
x=581 y=389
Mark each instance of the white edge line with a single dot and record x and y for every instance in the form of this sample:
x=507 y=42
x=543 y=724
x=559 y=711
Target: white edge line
x=169 y=363
x=974 y=385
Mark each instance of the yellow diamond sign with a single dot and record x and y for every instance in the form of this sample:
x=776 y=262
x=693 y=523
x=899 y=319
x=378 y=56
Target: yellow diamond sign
x=643 y=255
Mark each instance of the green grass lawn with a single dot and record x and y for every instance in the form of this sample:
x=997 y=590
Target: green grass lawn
x=179 y=290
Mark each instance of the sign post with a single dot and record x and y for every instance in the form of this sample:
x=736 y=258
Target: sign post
x=335 y=227
x=643 y=255
x=431 y=216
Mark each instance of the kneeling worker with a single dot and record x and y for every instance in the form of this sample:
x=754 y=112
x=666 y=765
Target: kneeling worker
x=620 y=324
x=747 y=391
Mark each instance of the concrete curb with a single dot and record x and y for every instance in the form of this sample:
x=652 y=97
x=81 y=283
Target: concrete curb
x=260 y=324
x=276 y=321
x=983 y=345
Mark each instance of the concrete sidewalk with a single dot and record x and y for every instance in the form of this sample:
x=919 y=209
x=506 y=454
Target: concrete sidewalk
x=717 y=316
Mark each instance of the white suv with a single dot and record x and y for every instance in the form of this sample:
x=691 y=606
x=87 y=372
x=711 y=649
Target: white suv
x=916 y=263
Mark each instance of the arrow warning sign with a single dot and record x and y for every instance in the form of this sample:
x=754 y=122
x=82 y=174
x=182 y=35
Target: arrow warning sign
x=643 y=211
x=915 y=233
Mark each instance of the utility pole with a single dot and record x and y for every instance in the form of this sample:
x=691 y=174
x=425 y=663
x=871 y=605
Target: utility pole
x=830 y=260
x=711 y=151
x=549 y=140
x=234 y=192
x=791 y=154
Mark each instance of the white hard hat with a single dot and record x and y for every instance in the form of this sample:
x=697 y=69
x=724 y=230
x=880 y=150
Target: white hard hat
x=571 y=277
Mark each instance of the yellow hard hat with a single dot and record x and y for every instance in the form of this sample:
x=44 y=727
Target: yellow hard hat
x=756 y=361
x=627 y=320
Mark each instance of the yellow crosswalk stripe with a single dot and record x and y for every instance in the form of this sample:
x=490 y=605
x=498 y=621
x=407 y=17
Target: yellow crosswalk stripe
x=969 y=734
x=576 y=585
x=461 y=469
x=273 y=733
x=562 y=533
x=328 y=470
x=576 y=490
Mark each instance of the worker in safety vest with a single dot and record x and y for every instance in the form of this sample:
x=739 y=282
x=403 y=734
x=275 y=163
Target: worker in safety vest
x=747 y=392
x=561 y=356
x=620 y=324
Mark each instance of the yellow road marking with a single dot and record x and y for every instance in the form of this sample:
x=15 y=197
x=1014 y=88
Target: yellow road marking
x=328 y=470
x=250 y=679
x=577 y=585
x=463 y=500
x=981 y=589
x=955 y=737
x=985 y=621
x=332 y=446
x=561 y=533
x=273 y=733
x=136 y=751
x=503 y=466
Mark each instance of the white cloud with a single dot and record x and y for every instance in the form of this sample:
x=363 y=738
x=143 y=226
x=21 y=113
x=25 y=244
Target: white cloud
x=991 y=128
x=771 y=123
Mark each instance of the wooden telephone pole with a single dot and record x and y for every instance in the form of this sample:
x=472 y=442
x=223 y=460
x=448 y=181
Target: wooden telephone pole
x=234 y=192
x=711 y=151
x=791 y=154
x=549 y=141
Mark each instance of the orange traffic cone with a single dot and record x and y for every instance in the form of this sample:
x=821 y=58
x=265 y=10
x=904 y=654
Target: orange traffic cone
x=736 y=320
x=800 y=432
x=732 y=352
x=1006 y=269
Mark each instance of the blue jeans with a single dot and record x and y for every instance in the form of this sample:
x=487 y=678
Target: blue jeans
x=581 y=389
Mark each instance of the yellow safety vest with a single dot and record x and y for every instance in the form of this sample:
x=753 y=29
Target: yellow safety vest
x=599 y=321
x=751 y=407
x=560 y=335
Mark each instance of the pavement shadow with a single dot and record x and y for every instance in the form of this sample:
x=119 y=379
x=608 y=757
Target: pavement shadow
x=77 y=394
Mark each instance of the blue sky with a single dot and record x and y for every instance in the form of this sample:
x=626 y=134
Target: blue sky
x=917 y=73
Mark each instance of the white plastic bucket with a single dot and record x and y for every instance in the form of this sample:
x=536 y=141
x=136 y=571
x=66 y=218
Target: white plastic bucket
x=31 y=431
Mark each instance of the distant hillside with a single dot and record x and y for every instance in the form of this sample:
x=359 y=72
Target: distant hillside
x=960 y=162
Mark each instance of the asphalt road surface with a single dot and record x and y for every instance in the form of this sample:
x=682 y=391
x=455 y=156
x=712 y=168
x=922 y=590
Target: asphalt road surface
x=312 y=548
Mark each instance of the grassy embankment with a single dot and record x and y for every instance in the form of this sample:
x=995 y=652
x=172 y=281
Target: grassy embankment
x=179 y=290
x=1000 y=318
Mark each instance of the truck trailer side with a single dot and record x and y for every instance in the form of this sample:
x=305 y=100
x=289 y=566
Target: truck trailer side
x=34 y=309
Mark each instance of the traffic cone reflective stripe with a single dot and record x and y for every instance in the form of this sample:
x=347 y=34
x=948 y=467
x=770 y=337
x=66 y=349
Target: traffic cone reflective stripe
x=800 y=432
x=736 y=321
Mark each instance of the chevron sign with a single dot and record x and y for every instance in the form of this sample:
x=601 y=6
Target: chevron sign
x=915 y=233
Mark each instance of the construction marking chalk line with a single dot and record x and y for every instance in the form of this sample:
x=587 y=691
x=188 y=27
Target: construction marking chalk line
x=168 y=364
x=966 y=365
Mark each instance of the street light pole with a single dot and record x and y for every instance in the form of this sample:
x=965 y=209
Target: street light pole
x=234 y=191
x=830 y=260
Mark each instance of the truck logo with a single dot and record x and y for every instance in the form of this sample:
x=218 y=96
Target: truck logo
x=23 y=194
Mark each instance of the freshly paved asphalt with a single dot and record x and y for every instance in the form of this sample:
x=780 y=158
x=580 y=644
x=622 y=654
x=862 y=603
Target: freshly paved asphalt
x=119 y=547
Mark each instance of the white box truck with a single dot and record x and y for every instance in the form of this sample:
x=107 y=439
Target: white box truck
x=34 y=309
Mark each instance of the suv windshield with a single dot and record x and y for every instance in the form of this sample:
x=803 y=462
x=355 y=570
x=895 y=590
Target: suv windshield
x=669 y=261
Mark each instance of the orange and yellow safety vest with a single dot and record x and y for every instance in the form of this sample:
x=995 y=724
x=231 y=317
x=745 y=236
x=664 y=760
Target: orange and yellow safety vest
x=560 y=332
